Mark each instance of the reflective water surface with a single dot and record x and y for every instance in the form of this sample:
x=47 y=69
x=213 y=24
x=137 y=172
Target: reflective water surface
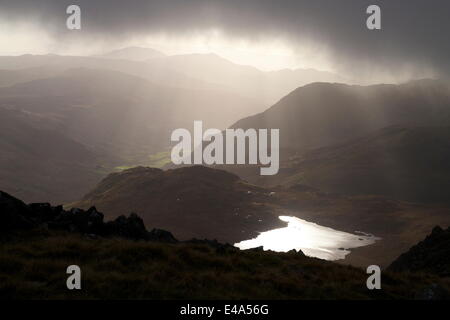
x=314 y=240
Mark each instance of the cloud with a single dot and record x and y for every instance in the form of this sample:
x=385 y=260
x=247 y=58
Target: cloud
x=414 y=33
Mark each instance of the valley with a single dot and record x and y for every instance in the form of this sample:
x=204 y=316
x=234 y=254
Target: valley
x=353 y=158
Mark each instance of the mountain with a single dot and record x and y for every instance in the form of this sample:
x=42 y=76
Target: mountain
x=116 y=109
x=198 y=94
x=193 y=202
x=322 y=114
x=432 y=255
x=195 y=71
x=201 y=202
x=408 y=163
x=390 y=140
x=121 y=119
x=134 y=54
x=137 y=68
x=39 y=163
x=267 y=87
x=12 y=77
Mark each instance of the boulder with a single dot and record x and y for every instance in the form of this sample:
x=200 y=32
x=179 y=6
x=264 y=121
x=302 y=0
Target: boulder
x=161 y=236
x=14 y=214
x=131 y=228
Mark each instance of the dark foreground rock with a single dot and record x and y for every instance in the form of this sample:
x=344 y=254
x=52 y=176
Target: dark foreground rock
x=15 y=215
x=431 y=255
x=161 y=236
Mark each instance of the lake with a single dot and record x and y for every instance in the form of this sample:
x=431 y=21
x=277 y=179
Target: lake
x=314 y=240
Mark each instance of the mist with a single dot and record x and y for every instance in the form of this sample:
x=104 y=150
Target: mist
x=323 y=34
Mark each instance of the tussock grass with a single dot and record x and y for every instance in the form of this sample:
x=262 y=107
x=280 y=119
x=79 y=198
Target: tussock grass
x=35 y=268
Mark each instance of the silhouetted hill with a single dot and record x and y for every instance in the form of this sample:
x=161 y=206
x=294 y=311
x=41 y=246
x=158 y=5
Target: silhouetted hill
x=16 y=217
x=408 y=163
x=323 y=114
x=390 y=140
x=192 y=202
x=39 y=163
x=431 y=255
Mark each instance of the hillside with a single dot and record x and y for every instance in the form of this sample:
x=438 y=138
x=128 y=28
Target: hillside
x=116 y=118
x=33 y=165
x=60 y=63
x=190 y=71
x=389 y=140
x=323 y=114
x=193 y=202
x=120 y=259
x=432 y=255
x=15 y=76
x=122 y=269
x=407 y=163
x=200 y=202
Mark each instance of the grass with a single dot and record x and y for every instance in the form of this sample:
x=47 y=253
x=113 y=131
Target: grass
x=35 y=268
x=157 y=160
x=160 y=159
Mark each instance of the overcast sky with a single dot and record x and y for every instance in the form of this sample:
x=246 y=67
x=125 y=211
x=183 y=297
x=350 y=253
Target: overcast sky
x=414 y=37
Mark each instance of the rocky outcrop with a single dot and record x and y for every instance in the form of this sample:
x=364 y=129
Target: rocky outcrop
x=431 y=255
x=15 y=215
x=131 y=227
x=161 y=236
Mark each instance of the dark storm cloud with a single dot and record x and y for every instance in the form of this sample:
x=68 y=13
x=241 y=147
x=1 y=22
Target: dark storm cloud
x=414 y=31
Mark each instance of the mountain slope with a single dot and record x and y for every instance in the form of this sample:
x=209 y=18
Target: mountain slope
x=323 y=114
x=191 y=202
x=121 y=118
x=109 y=109
x=208 y=203
x=38 y=241
x=408 y=163
x=12 y=77
x=390 y=140
x=141 y=69
x=432 y=255
x=41 y=164
x=196 y=71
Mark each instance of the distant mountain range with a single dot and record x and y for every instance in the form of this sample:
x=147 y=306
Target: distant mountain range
x=193 y=71
x=121 y=108
x=265 y=87
x=134 y=54
x=120 y=118
x=369 y=158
